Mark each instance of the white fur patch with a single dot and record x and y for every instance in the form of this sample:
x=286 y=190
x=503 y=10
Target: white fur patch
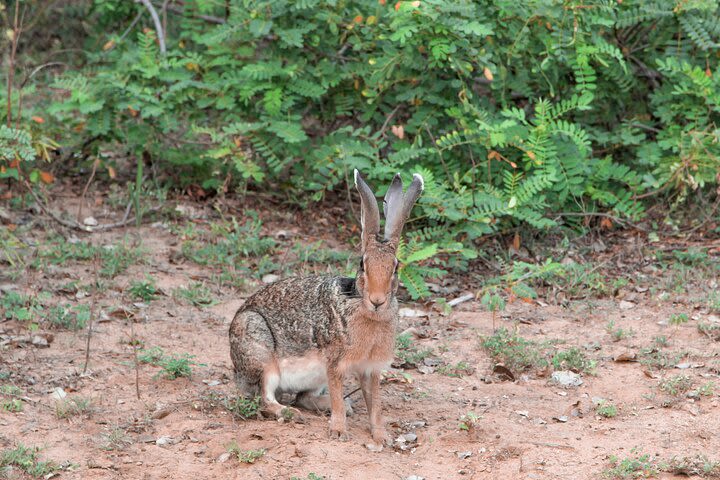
x=422 y=182
x=299 y=374
x=356 y=174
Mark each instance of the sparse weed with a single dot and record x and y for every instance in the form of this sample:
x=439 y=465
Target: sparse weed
x=638 y=466
x=173 y=366
x=573 y=359
x=12 y=405
x=698 y=465
x=310 y=476
x=196 y=294
x=678 y=319
x=23 y=308
x=73 y=407
x=676 y=385
x=243 y=407
x=69 y=317
x=460 y=369
x=659 y=359
x=606 y=409
x=515 y=352
x=661 y=341
x=711 y=330
x=144 y=290
x=26 y=459
x=116 y=439
x=618 y=334
x=408 y=354
x=469 y=421
x=117 y=258
x=706 y=390
x=245 y=456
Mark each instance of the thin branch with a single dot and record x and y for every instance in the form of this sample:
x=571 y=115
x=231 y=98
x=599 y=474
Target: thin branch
x=387 y=121
x=38 y=69
x=87 y=185
x=614 y=218
x=207 y=18
x=85 y=228
x=93 y=304
x=156 y=21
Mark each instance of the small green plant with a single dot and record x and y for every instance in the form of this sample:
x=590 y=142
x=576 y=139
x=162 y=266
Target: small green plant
x=676 y=385
x=243 y=407
x=12 y=405
x=118 y=258
x=245 y=456
x=618 y=333
x=678 y=319
x=713 y=301
x=69 y=317
x=660 y=341
x=493 y=302
x=9 y=399
x=23 y=308
x=73 y=407
x=310 y=476
x=516 y=353
x=469 y=421
x=144 y=290
x=573 y=359
x=173 y=366
x=27 y=460
x=706 y=390
x=460 y=369
x=711 y=330
x=659 y=359
x=115 y=439
x=699 y=465
x=637 y=466
x=196 y=294
x=606 y=409
x=408 y=354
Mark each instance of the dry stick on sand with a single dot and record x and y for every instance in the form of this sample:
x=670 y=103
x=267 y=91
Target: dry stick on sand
x=133 y=341
x=93 y=304
x=87 y=185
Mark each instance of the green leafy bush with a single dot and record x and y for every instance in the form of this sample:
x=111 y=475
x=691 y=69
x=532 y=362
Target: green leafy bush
x=515 y=113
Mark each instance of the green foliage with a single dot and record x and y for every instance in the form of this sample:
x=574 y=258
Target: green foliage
x=676 y=384
x=144 y=290
x=242 y=407
x=73 y=407
x=408 y=354
x=245 y=456
x=637 y=466
x=196 y=294
x=173 y=366
x=516 y=114
x=678 y=319
x=516 y=353
x=606 y=409
x=573 y=359
x=69 y=317
x=27 y=460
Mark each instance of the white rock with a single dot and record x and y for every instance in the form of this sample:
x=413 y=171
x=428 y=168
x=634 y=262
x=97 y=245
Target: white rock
x=90 y=222
x=270 y=278
x=567 y=378
x=58 y=394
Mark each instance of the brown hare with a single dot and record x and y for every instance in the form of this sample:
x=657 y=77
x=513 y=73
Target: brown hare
x=303 y=335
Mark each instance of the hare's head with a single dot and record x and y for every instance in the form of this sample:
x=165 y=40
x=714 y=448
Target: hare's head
x=377 y=275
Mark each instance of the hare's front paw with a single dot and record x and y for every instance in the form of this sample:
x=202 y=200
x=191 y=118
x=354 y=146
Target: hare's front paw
x=380 y=436
x=339 y=434
x=338 y=429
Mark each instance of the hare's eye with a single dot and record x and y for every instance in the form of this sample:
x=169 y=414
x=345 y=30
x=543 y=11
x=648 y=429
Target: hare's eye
x=362 y=264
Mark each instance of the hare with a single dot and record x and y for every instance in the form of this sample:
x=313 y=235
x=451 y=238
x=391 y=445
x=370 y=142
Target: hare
x=303 y=335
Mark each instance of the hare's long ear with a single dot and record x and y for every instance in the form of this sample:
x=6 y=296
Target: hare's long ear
x=398 y=206
x=369 y=213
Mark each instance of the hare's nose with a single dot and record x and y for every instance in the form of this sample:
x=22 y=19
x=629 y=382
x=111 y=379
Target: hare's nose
x=377 y=301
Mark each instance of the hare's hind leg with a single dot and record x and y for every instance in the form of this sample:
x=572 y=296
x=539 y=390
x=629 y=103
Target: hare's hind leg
x=256 y=369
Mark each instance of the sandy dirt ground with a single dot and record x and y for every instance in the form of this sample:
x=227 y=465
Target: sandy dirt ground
x=528 y=427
